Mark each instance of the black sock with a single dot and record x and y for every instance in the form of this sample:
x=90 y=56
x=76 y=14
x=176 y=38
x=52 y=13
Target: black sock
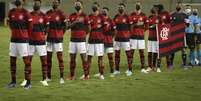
x=184 y=59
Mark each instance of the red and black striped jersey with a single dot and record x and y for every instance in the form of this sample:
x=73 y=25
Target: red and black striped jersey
x=152 y=21
x=37 y=28
x=79 y=22
x=19 y=19
x=56 y=21
x=96 y=24
x=108 y=31
x=139 y=25
x=122 y=26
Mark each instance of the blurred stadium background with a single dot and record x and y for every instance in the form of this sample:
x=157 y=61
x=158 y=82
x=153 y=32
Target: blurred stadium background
x=67 y=5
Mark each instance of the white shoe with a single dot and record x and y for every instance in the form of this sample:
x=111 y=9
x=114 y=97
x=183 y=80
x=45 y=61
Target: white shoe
x=23 y=83
x=144 y=71
x=61 y=81
x=196 y=61
x=116 y=72
x=148 y=69
x=97 y=75
x=112 y=75
x=44 y=83
x=101 y=77
x=48 y=80
x=129 y=73
x=82 y=77
x=158 y=70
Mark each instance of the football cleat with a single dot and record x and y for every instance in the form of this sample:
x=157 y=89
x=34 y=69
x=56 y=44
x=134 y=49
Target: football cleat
x=61 y=81
x=101 y=77
x=44 y=83
x=149 y=69
x=129 y=73
x=144 y=71
x=23 y=83
x=158 y=70
x=116 y=72
x=27 y=86
x=11 y=85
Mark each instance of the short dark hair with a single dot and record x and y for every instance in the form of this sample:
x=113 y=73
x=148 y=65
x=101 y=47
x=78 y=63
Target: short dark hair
x=122 y=4
x=96 y=3
x=38 y=0
x=106 y=8
x=80 y=1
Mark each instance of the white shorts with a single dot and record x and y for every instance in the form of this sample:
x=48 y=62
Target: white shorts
x=109 y=50
x=77 y=47
x=152 y=46
x=57 y=47
x=137 y=44
x=19 y=49
x=40 y=49
x=125 y=45
x=95 y=49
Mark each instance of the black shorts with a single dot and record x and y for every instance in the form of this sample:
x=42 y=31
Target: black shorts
x=198 y=41
x=190 y=40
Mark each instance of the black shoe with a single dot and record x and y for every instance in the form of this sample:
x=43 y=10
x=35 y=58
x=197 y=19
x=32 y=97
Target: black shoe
x=27 y=86
x=11 y=85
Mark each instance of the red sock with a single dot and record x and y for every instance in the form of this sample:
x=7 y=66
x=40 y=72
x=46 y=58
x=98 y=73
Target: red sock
x=129 y=59
x=27 y=70
x=100 y=65
x=49 y=64
x=117 y=59
x=150 y=59
x=72 y=68
x=142 y=58
x=111 y=62
x=43 y=60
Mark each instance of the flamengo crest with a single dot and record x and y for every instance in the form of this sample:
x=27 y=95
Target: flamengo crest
x=164 y=33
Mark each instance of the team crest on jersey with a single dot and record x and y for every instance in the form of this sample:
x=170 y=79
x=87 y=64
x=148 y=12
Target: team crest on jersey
x=140 y=19
x=13 y=16
x=57 y=18
x=21 y=17
x=164 y=17
x=99 y=21
x=41 y=20
x=124 y=20
x=164 y=33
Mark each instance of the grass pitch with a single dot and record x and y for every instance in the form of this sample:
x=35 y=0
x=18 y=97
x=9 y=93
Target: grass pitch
x=178 y=85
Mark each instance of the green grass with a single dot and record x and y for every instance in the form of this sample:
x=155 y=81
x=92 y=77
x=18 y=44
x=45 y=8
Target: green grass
x=178 y=85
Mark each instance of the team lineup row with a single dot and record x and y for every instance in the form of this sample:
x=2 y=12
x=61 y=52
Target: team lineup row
x=43 y=33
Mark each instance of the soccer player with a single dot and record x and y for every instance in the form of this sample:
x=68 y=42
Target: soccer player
x=199 y=42
x=179 y=17
x=37 y=39
x=191 y=22
x=56 y=28
x=108 y=38
x=139 y=25
x=152 y=40
x=122 y=38
x=78 y=23
x=19 y=20
x=96 y=37
x=164 y=18
x=197 y=36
